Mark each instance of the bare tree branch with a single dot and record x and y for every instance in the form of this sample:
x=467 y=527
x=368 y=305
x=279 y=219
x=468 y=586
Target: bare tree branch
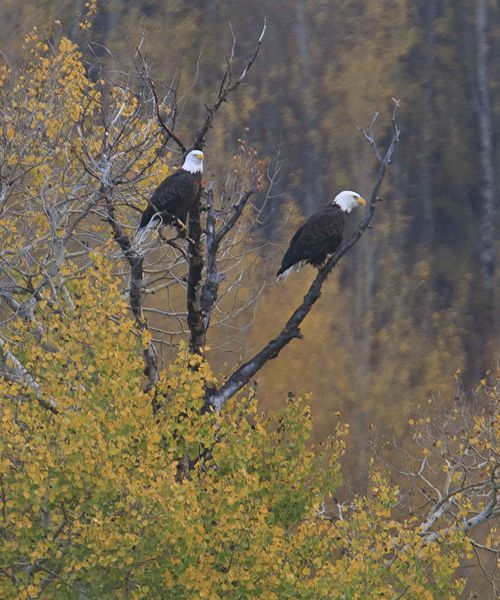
x=213 y=278
x=491 y=508
x=292 y=328
x=226 y=88
x=165 y=127
x=237 y=210
x=370 y=136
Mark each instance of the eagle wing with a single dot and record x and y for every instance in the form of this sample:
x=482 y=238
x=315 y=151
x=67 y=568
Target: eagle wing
x=173 y=197
x=319 y=236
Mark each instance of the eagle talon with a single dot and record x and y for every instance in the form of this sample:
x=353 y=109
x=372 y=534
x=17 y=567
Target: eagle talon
x=181 y=228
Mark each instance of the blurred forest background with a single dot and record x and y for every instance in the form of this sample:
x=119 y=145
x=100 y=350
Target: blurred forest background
x=411 y=310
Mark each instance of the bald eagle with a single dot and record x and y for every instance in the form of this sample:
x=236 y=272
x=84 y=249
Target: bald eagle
x=172 y=199
x=320 y=235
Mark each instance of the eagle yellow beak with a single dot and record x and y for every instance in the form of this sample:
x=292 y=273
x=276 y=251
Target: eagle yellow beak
x=200 y=156
x=361 y=201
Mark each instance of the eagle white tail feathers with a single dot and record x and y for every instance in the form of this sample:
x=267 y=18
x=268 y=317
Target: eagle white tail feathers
x=139 y=236
x=143 y=232
x=295 y=267
x=284 y=275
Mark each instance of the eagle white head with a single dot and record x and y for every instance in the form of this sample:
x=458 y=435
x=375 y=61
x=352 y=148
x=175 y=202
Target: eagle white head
x=194 y=162
x=348 y=200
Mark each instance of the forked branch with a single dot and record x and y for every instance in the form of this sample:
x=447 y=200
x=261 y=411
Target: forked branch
x=170 y=133
x=227 y=86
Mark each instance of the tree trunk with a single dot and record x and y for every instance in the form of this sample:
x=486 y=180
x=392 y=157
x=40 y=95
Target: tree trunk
x=194 y=292
x=483 y=109
x=486 y=327
x=426 y=176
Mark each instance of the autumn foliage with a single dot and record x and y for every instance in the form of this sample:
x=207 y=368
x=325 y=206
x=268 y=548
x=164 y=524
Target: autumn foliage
x=94 y=497
x=108 y=490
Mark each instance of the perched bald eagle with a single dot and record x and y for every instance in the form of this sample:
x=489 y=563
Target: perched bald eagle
x=320 y=235
x=172 y=199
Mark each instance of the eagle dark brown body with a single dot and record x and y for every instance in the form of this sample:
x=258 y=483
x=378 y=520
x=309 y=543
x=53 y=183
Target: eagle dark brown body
x=176 y=195
x=172 y=199
x=319 y=236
